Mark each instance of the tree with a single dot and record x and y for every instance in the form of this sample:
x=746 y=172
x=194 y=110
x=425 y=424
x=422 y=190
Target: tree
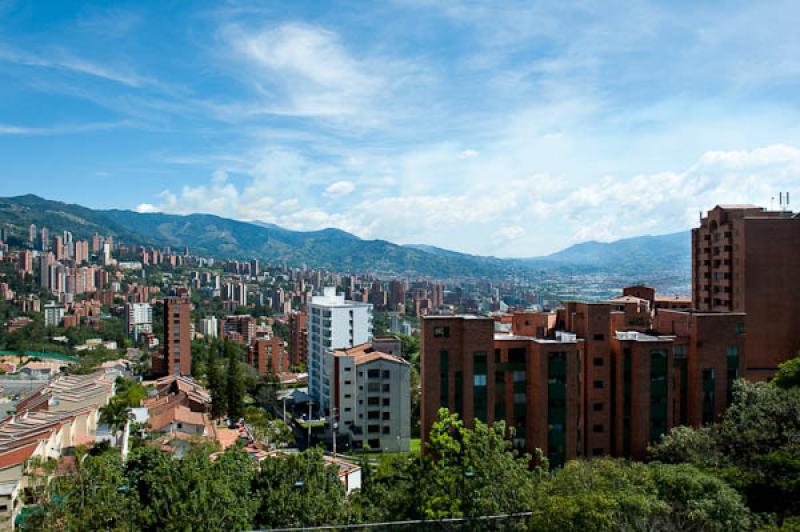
x=601 y=494
x=216 y=383
x=473 y=472
x=698 y=500
x=116 y=415
x=298 y=490
x=234 y=384
x=788 y=375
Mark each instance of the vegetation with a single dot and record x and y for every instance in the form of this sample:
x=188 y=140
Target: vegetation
x=755 y=448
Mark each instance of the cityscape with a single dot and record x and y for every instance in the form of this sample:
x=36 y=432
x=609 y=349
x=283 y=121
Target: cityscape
x=397 y=305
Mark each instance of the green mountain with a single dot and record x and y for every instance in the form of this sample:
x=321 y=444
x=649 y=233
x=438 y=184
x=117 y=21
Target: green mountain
x=334 y=249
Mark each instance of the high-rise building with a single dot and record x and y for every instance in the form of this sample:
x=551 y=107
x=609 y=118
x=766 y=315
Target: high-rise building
x=44 y=243
x=209 y=327
x=138 y=319
x=176 y=358
x=32 y=235
x=745 y=260
x=53 y=314
x=334 y=323
x=298 y=338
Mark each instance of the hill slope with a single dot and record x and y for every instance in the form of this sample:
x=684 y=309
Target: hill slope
x=335 y=249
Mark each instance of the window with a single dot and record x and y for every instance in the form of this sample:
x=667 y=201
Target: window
x=387 y=429
x=597 y=451
x=386 y=374
x=479 y=380
x=519 y=399
x=386 y=416
x=348 y=368
x=597 y=428
x=597 y=407
x=374 y=374
x=518 y=376
x=348 y=383
x=598 y=385
x=441 y=332
x=375 y=414
x=386 y=388
x=373 y=401
x=599 y=336
x=598 y=361
x=386 y=401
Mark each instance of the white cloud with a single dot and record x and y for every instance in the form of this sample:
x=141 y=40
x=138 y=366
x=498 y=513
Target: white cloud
x=469 y=153
x=522 y=215
x=339 y=189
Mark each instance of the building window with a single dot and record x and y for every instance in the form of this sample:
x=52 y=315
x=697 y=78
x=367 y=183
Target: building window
x=597 y=428
x=374 y=374
x=441 y=332
x=599 y=336
x=597 y=451
x=597 y=407
x=598 y=361
x=598 y=385
x=479 y=380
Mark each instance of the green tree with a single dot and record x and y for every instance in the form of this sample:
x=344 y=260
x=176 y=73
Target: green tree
x=298 y=490
x=234 y=383
x=601 y=494
x=698 y=500
x=116 y=415
x=216 y=383
x=788 y=375
x=473 y=472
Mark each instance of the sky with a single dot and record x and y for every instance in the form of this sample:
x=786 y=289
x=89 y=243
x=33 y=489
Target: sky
x=507 y=128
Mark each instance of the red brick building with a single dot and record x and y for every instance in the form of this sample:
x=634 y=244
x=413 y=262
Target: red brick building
x=642 y=405
x=176 y=358
x=298 y=338
x=709 y=354
x=745 y=259
x=268 y=356
x=530 y=383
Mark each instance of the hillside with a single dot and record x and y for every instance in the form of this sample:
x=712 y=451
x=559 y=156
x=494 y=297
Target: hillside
x=335 y=249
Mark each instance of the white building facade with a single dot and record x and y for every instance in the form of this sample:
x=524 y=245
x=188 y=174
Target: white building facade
x=139 y=319
x=333 y=323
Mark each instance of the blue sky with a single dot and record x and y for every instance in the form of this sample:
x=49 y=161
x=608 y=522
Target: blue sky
x=504 y=128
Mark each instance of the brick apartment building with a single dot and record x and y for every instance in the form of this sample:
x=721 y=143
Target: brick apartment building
x=176 y=357
x=298 y=338
x=239 y=328
x=745 y=259
x=530 y=383
x=268 y=356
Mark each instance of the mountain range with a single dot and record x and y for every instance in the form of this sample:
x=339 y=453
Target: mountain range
x=335 y=249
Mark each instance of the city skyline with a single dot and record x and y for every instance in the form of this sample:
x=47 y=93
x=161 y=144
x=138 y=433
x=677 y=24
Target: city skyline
x=506 y=132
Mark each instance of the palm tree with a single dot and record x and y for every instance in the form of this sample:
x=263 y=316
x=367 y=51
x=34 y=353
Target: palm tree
x=116 y=415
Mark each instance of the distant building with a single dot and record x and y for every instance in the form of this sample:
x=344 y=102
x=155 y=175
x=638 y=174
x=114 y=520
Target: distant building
x=298 y=338
x=334 y=323
x=209 y=327
x=138 y=319
x=268 y=356
x=240 y=328
x=53 y=314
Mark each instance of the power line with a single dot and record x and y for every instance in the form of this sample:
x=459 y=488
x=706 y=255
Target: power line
x=449 y=520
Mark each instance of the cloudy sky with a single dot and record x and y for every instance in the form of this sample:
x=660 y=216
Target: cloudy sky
x=512 y=129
